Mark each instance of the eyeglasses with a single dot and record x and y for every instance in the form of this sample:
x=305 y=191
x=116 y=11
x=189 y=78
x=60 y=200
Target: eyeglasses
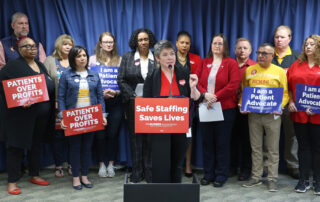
x=29 y=47
x=107 y=42
x=143 y=39
x=217 y=44
x=264 y=54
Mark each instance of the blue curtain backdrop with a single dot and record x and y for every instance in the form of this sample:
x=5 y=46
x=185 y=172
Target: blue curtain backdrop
x=84 y=20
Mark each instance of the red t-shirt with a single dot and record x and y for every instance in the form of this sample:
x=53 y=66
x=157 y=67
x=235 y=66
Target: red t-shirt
x=300 y=73
x=165 y=86
x=243 y=68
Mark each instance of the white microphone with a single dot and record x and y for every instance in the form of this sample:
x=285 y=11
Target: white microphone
x=171 y=69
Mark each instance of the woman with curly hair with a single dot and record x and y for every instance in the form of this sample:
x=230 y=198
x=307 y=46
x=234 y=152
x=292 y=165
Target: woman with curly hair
x=306 y=71
x=134 y=68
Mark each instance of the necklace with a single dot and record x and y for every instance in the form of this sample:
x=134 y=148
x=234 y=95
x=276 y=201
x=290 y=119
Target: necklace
x=181 y=59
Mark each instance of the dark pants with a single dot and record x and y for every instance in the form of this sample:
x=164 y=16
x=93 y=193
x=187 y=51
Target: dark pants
x=308 y=149
x=15 y=157
x=80 y=153
x=240 y=145
x=140 y=145
x=108 y=139
x=216 y=146
x=179 y=146
x=60 y=148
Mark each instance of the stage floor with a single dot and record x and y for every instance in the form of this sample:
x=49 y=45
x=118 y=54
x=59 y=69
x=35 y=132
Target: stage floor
x=111 y=190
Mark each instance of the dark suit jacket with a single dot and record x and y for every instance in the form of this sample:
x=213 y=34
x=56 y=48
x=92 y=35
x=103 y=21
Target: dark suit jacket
x=130 y=75
x=17 y=125
x=152 y=85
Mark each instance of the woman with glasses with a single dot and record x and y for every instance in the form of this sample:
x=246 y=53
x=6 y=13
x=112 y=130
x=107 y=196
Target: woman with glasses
x=219 y=79
x=106 y=54
x=306 y=71
x=134 y=68
x=27 y=126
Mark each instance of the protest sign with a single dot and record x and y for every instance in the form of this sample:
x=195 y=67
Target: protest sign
x=161 y=115
x=108 y=76
x=262 y=100
x=24 y=90
x=307 y=96
x=83 y=120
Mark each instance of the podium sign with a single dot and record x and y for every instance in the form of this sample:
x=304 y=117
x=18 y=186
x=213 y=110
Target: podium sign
x=83 y=120
x=161 y=115
x=24 y=90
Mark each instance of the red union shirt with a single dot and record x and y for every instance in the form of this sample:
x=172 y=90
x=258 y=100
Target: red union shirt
x=301 y=73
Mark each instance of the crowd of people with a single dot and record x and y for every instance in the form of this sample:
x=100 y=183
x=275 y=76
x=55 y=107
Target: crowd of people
x=244 y=143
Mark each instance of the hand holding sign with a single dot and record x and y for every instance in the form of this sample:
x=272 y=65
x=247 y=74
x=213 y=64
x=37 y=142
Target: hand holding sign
x=104 y=121
x=292 y=107
x=309 y=113
x=27 y=105
x=242 y=112
x=62 y=125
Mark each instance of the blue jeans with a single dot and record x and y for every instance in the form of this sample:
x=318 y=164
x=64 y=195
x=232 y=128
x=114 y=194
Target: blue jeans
x=80 y=153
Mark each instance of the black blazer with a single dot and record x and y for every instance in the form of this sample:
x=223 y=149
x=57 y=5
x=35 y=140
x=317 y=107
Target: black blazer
x=130 y=75
x=17 y=124
x=152 y=85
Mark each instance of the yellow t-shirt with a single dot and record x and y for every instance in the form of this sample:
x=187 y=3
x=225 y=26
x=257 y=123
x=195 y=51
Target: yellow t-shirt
x=280 y=59
x=271 y=77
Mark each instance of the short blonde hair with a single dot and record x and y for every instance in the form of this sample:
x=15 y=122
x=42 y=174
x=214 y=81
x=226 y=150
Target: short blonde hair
x=58 y=45
x=286 y=27
x=303 y=57
x=242 y=39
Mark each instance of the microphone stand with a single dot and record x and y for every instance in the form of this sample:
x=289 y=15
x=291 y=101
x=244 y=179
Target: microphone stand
x=170 y=67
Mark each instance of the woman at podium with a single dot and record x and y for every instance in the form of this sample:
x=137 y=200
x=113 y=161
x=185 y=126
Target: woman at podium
x=174 y=81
